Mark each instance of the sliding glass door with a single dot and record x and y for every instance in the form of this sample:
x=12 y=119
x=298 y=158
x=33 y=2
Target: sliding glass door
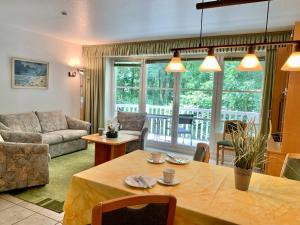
x=195 y=105
x=188 y=108
x=159 y=102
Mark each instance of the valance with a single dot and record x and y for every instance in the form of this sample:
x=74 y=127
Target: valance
x=162 y=47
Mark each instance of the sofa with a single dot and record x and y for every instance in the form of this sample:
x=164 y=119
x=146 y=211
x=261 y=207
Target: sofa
x=23 y=160
x=62 y=133
x=133 y=124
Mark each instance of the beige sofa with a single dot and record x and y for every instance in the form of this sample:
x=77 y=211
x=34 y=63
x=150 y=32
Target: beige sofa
x=62 y=133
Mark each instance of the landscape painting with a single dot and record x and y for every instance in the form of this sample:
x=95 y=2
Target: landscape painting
x=29 y=73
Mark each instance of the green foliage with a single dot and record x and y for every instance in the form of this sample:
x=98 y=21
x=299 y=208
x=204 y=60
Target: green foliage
x=241 y=91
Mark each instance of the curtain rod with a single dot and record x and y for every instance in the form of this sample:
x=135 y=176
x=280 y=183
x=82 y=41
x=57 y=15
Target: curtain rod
x=234 y=46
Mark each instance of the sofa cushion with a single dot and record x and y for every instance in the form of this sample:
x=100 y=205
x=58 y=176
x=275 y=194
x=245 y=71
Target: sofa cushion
x=52 y=139
x=52 y=121
x=131 y=132
x=131 y=121
x=27 y=122
x=70 y=135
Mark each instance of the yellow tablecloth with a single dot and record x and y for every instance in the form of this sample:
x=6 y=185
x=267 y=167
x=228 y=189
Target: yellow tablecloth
x=206 y=194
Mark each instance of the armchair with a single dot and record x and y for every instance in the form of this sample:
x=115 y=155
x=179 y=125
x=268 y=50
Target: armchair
x=134 y=124
x=23 y=160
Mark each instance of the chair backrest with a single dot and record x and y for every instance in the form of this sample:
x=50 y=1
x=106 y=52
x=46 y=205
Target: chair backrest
x=159 y=210
x=186 y=119
x=291 y=167
x=202 y=153
x=232 y=125
x=131 y=121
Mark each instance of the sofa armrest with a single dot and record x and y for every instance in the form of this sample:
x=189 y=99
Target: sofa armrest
x=3 y=127
x=23 y=165
x=21 y=137
x=76 y=124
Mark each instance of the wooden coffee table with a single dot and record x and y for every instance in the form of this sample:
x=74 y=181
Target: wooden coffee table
x=109 y=148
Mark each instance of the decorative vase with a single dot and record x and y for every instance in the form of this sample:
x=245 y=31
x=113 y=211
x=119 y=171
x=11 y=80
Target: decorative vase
x=111 y=134
x=242 y=178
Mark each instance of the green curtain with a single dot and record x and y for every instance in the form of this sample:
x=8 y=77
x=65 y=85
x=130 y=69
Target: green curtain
x=271 y=58
x=93 y=91
x=162 y=47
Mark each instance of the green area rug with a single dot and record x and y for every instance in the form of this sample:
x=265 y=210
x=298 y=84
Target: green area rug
x=61 y=170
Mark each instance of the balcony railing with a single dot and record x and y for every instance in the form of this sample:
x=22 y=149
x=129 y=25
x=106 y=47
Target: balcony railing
x=160 y=121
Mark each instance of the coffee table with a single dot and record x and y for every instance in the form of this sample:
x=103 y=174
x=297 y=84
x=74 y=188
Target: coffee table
x=107 y=149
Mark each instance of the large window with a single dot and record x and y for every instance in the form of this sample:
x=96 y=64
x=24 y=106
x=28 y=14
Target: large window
x=188 y=108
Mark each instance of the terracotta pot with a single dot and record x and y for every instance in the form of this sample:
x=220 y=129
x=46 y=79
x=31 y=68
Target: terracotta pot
x=242 y=178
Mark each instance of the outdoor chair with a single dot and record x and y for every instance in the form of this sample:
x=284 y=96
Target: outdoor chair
x=186 y=120
x=136 y=210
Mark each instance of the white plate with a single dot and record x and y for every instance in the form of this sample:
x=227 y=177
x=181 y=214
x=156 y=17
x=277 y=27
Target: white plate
x=175 y=181
x=134 y=182
x=151 y=161
x=178 y=160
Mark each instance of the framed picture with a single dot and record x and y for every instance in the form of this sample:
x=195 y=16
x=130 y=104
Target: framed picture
x=27 y=73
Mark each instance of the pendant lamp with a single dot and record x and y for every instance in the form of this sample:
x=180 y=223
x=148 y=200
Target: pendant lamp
x=210 y=63
x=250 y=63
x=175 y=65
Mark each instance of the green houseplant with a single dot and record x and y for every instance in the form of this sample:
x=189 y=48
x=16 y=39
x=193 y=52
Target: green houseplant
x=249 y=148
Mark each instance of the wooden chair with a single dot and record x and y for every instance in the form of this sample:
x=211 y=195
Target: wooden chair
x=159 y=210
x=202 y=153
x=291 y=167
x=229 y=127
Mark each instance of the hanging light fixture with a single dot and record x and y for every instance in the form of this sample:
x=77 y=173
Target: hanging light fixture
x=293 y=62
x=250 y=62
x=175 y=65
x=210 y=63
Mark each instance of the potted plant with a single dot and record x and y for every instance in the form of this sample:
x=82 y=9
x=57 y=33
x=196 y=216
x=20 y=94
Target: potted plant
x=112 y=130
x=249 y=148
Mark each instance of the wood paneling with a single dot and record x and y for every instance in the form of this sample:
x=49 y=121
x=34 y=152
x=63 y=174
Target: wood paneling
x=280 y=84
x=291 y=121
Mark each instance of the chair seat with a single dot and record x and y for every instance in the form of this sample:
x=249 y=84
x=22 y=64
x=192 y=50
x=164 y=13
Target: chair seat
x=226 y=143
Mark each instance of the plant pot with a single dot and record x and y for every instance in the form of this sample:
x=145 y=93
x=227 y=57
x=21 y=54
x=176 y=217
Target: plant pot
x=242 y=178
x=112 y=134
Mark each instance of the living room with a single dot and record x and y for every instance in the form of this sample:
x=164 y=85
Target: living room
x=167 y=103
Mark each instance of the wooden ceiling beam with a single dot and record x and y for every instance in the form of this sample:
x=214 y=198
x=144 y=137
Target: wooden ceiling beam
x=223 y=3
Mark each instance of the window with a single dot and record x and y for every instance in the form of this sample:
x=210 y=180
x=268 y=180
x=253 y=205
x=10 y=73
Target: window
x=188 y=108
x=128 y=79
x=241 y=94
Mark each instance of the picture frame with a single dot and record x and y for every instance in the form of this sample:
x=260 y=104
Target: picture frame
x=29 y=73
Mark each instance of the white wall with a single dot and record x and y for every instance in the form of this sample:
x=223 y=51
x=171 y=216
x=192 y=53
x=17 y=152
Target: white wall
x=63 y=93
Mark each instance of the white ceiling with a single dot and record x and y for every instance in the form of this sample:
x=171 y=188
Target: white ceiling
x=107 y=21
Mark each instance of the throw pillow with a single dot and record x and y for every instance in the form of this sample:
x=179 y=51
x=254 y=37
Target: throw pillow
x=1 y=139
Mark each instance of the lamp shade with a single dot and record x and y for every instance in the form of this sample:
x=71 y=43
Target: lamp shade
x=250 y=63
x=175 y=65
x=293 y=63
x=210 y=64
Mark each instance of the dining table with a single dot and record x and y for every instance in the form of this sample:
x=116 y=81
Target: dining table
x=206 y=194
